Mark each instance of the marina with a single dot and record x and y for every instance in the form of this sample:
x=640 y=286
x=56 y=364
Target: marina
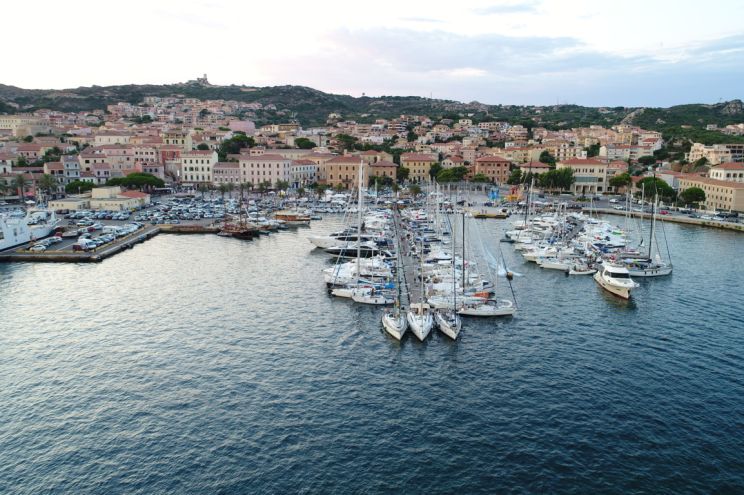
x=573 y=368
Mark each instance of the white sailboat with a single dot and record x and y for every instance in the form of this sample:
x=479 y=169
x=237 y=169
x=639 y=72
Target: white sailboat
x=419 y=314
x=448 y=321
x=394 y=321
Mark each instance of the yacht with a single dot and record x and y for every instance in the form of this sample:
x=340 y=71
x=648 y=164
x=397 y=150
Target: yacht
x=615 y=279
x=449 y=322
x=395 y=323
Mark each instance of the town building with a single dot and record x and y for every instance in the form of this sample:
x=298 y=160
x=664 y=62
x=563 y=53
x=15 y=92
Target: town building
x=590 y=175
x=197 y=167
x=728 y=171
x=418 y=165
x=720 y=195
x=496 y=168
x=267 y=168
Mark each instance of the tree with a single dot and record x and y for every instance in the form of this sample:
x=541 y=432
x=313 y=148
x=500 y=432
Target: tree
x=202 y=188
x=701 y=162
x=647 y=160
x=22 y=162
x=434 y=170
x=281 y=185
x=28 y=139
x=480 y=178
x=230 y=188
x=320 y=190
x=78 y=187
x=301 y=192
x=304 y=143
x=223 y=190
x=19 y=184
x=346 y=142
x=692 y=196
x=620 y=180
x=411 y=136
x=48 y=184
x=202 y=147
x=546 y=157
x=558 y=179
x=454 y=174
x=137 y=180
x=592 y=150
x=402 y=174
x=414 y=189
x=515 y=177
x=653 y=187
x=233 y=145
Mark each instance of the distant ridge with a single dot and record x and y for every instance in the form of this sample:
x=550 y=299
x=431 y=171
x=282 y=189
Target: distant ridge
x=311 y=107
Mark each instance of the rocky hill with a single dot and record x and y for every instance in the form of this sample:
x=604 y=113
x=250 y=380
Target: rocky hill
x=311 y=107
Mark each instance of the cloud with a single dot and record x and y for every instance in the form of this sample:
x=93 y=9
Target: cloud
x=519 y=70
x=508 y=8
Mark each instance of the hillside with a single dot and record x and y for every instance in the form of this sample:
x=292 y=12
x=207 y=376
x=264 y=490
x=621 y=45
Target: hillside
x=311 y=107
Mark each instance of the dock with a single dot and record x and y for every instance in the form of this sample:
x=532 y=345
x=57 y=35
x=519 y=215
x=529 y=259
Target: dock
x=411 y=286
x=738 y=227
x=21 y=254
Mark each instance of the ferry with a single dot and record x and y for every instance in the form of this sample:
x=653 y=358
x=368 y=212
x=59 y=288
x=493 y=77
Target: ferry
x=35 y=224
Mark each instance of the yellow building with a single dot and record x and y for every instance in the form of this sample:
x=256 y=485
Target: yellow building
x=418 y=165
x=341 y=171
x=719 y=194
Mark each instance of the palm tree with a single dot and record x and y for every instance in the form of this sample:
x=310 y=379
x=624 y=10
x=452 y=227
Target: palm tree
x=202 y=188
x=48 y=183
x=230 y=188
x=19 y=184
x=223 y=190
x=3 y=187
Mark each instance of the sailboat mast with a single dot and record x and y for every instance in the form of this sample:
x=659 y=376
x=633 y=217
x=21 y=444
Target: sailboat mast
x=463 y=253
x=359 y=221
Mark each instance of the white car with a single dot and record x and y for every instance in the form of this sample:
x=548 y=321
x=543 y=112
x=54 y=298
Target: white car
x=613 y=200
x=54 y=239
x=38 y=248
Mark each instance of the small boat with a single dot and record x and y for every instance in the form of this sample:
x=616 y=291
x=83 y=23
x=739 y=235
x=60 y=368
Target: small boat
x=420 y=320
x=449 y=322
x=615 y=279
x=492 y=307
x=581 y=270
x=370 y=295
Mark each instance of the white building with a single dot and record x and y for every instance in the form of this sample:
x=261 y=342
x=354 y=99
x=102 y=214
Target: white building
x=265 y=168
x=197 y=167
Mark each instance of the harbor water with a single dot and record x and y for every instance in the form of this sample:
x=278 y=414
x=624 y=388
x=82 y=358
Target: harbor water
x=200 y=364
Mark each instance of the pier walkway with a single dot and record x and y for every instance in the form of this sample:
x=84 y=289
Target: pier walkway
x=411 y=286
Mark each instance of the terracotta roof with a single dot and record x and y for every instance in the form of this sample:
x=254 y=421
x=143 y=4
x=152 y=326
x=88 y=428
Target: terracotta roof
x=421 y=157
x=259 y=158
x=729 y=166
x=713 y=182
x=384 y=163
x=582 y=161
x=491 y=158
x=347 y=159
x=134 y=194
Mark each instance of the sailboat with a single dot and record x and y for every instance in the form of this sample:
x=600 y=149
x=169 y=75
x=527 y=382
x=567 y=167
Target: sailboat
x=648 y=266
x=419 y=314
x=394 y=321
x=488 y=307
x=448 y=321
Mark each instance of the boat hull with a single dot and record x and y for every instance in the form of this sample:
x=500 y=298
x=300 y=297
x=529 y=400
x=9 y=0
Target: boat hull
x=420 y=325
x=621 y=292
x=395 y=326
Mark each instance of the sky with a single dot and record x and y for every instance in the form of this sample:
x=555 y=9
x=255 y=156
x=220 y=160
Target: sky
x=541 y=52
